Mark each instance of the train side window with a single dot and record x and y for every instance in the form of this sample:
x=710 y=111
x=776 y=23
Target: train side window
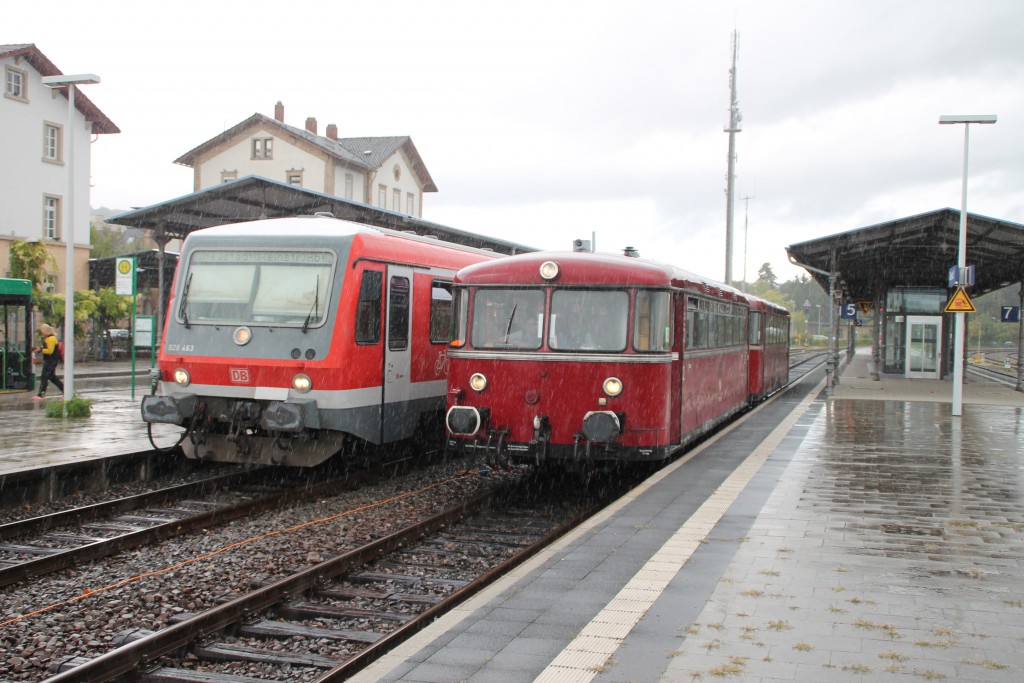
x=398 y=313
x=755 y=328
x=460 y=318
x=652 y=329
x=440 y=312
x=368 y=308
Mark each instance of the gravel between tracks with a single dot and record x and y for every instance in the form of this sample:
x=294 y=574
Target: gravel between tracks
x=145 y=588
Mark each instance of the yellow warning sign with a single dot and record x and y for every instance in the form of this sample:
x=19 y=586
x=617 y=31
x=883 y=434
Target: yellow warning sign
x=865 y=306
x=960 y=303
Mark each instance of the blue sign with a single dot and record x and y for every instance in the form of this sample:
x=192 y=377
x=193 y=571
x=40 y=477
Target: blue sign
x=1010 y=314
x=957 y=278
x=848 y=311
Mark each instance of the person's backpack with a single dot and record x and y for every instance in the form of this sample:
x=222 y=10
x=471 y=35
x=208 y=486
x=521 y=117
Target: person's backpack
x=60 y=351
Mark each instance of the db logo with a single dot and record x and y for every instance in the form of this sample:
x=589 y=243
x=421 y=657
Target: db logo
x=239 y=375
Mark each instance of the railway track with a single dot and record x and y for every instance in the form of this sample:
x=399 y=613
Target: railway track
x=34 y=547
x=335 y=617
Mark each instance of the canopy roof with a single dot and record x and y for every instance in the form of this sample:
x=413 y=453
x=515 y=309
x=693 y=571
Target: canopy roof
x=915 y=252
x=253 y=197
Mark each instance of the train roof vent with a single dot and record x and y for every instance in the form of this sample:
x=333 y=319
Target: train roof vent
x=631 y=252
x=324 y=214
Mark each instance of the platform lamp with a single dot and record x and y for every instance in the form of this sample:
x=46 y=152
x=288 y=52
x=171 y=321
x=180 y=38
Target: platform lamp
x=69 y=81
x=961 y=261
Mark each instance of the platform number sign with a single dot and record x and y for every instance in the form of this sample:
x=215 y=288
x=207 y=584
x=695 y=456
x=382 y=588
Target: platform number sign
x=1010 y=314
x=848 y=311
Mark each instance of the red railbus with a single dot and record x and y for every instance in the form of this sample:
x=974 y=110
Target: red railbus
x=583 y=358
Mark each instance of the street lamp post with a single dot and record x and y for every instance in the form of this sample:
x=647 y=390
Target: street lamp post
x=958 y=351
x=69 y=81
x=818 y=326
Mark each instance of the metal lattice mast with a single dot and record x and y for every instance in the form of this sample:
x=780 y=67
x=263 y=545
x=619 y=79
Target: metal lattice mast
x=734 y=127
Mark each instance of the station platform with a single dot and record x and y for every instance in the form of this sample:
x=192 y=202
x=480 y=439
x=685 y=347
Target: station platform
x=831 y=537
x=853 y=533
x=30 y=440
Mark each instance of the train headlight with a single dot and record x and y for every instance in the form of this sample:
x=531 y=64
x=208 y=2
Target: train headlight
x=477 y=382
x=242 y=335
x=302 y=382
x=612 y=386
x=549 y=270
x=181 y=377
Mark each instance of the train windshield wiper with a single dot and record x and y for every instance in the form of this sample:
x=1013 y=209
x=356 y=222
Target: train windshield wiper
x=508 y=327
x=316 y=306
x=183 y=309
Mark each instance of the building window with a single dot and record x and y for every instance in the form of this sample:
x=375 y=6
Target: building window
x=263 y=148
x=14 y=84
x=382 y=196
x=349 y=183
x=51 y=217
x=396 y=200
x=50 y=284
x=293 y=177
x=228 y=176
x=410 y=204
x=53 y=143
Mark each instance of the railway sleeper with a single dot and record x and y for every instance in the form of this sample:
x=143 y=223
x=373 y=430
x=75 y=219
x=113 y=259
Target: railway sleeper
x=310 y=610
x=235 y=652
x=381 y=577
x=346 y=593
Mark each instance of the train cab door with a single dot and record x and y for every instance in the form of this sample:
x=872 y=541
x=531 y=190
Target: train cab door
x=398 y=417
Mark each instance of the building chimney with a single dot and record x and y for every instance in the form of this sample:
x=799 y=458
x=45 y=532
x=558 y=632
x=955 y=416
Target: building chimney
x=279 y=111
x=332 y=131
x=311 y=124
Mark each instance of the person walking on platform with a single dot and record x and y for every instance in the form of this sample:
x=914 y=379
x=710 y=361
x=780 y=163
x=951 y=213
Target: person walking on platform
x=51 y=357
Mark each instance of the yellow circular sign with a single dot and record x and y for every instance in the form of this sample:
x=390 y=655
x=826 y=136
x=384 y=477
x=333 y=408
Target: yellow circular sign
x=124 y=266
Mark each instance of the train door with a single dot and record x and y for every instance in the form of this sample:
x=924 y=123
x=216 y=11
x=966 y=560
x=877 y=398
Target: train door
x=922 y=346
x=398 y=417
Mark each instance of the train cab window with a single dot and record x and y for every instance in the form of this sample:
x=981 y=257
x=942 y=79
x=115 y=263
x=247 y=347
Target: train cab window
x=508 y=318
x=288 y=288
x=589 y=320
x=440 y=312
x=368 y=308
x=652 y=330
x=398 y=313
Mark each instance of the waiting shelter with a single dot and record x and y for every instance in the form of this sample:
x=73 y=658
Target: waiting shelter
x=16 y=342
x=900 y=272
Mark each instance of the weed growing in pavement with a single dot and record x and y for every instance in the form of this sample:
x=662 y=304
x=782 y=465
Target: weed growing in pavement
x=76 y=407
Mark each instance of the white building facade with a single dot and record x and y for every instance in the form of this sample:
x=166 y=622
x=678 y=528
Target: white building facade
x=34 y=134
x=385 y=172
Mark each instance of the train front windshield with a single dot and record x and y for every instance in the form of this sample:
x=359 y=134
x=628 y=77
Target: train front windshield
x=256 y=287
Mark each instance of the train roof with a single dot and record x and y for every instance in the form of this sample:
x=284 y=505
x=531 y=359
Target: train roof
x=318 y=226
x=758 y=303
x=589 y=268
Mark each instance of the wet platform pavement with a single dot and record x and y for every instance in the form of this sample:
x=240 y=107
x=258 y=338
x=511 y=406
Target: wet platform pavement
x=852 y=534
x=29 y=439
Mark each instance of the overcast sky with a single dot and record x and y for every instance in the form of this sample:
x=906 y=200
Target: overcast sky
x=544 y=121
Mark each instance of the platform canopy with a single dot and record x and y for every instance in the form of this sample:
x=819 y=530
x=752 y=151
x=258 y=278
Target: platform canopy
x=915 y=252
x=253 y=197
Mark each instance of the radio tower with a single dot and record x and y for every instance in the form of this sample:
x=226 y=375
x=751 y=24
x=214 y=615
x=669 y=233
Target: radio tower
x=734 y=127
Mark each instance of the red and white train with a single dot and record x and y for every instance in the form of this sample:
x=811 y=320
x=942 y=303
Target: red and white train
x=288 y=340
x=584 y=359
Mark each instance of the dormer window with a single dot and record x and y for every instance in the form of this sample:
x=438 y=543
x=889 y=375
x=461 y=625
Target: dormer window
x=263 y=148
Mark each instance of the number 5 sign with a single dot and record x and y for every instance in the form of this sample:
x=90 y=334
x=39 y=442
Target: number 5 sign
x=848 y=312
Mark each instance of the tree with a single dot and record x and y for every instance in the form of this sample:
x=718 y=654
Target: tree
x=767 y=275
x=111 y=240
x=31 y=261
